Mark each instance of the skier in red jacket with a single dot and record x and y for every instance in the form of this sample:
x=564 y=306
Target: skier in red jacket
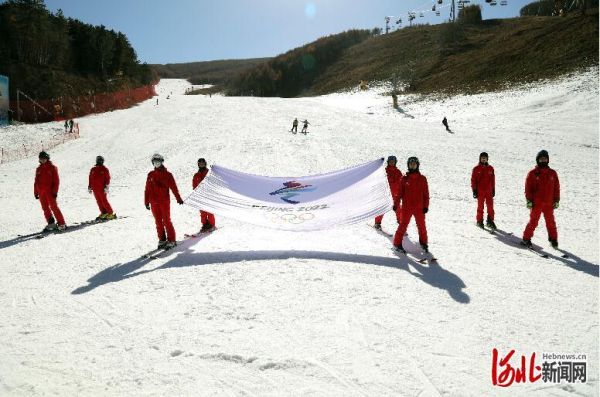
x=45 y=189
x=414 y=194
x=394 y=175
x=542 y=191
x=99 y=182
x=156 y=198
x=483 y=184
x=206 y=218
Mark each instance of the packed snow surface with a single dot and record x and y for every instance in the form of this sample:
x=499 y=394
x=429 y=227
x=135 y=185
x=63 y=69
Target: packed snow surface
x=261 y=312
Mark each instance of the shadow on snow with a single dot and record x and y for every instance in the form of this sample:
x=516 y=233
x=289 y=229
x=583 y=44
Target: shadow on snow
x=573 y=261
x=432 y=274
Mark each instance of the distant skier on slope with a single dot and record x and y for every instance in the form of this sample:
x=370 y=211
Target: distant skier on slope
x=445 y=122
x=157 y=198
x=45 y=189
x=294 y=126
x=305 y=127
x=542 y=191
x=483 y=185
x=413 y=192
x=206 y=218
x=99 y=181
x=394 y=176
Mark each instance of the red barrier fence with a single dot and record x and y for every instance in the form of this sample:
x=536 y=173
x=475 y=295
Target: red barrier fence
x=69 y=108
x=25 y=150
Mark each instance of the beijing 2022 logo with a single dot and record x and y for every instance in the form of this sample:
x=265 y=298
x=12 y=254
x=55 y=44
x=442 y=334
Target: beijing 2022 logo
x=291 y=189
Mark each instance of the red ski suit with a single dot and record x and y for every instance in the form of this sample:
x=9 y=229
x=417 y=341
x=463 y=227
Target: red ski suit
x=205 y=217
x=45 y=188
x=483 y=182
x=156 y=195
x=394 y=175
x=542 y=187
x=98 y=180
x=414 y=194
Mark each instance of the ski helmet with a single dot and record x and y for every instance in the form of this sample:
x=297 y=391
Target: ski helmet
x=157 y=157
x=99 y=160
x=44 y=155
x=392 y=158
x=412 y=159
x=483 y=154
x=542 y=153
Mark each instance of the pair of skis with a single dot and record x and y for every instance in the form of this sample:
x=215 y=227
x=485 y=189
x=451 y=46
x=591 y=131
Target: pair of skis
x=94 y=221
x=72 y=227
x=421 y=256
x=536 y=250
x=160 y=252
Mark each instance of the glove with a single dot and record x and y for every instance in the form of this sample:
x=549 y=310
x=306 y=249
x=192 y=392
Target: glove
x=55 y=195
x=179 y=202
x=106 y=189
x=147 y=206
x=394 y=208
x=474 y=193
x=529 y=204
x=89 y=190
x=493 y=193
x=37 y=196
x=555 y=205
x=425 y=210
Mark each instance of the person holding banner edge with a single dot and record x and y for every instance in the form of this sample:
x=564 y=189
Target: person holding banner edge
x=394 y=176
x=206 y=218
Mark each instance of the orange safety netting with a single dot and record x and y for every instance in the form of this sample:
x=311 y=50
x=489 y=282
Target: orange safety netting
x=69 y=108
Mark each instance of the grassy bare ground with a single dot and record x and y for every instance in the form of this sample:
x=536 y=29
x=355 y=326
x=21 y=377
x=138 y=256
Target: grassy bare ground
x=469 y=58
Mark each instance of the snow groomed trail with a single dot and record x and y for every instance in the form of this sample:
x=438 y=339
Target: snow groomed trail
x=252 y=311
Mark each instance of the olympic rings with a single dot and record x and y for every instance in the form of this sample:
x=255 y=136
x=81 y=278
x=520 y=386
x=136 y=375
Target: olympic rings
x=291 y=218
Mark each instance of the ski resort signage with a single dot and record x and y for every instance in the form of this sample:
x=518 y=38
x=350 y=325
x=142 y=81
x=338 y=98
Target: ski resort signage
x=3 y=100
x=304 y=203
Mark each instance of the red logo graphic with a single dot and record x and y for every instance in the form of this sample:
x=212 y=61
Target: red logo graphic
x=504 y=374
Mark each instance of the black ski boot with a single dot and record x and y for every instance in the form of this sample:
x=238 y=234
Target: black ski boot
x=425 y=247
x=51 y=225
x=490 y=223
x=554 y=243
x=479 y=224
x=526 y=243
x=207 y=227
x=400 y=249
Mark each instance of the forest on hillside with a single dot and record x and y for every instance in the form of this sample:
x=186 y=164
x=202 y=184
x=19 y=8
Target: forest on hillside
x=48 y=55
x=207 y=72
x=289 y=74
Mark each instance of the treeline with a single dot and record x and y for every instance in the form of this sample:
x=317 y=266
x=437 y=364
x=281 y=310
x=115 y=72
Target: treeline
x=208 y=72
x=48 y=55
x=290 y=74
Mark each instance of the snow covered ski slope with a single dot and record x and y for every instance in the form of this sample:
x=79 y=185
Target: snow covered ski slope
x=252 y=311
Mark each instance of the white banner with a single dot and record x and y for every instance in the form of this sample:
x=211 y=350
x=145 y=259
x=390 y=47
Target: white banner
x=302 y=203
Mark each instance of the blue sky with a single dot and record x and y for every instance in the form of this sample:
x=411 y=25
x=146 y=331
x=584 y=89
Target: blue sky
x=200 y=30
